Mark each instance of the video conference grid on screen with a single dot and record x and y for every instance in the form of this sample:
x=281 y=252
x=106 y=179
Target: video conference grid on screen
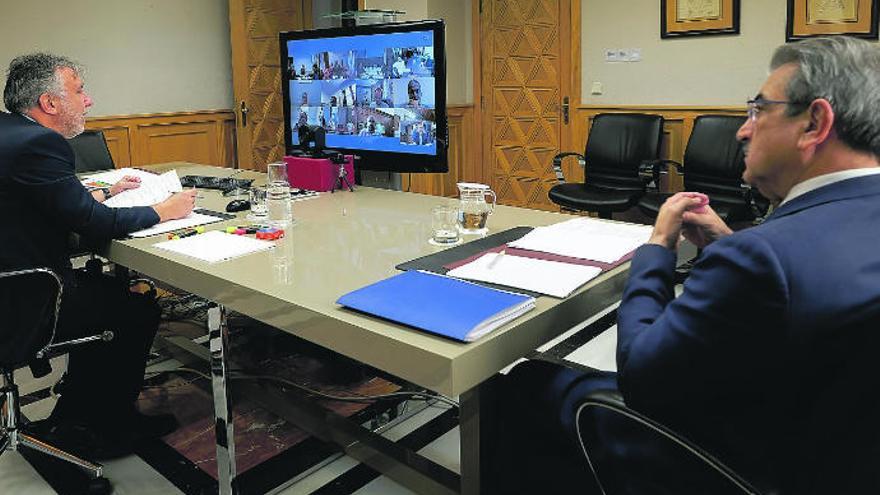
x=371 y=92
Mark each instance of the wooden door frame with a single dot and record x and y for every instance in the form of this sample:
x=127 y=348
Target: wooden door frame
x=567 y=135
x=244 y=158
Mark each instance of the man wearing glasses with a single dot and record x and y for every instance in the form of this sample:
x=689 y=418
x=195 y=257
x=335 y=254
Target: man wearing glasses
x=767 y=358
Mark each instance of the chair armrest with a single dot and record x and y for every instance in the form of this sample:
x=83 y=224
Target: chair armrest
x=62 y=347
x=757 y=203
x=611 y=400
x=650 y=171
x=557 y=163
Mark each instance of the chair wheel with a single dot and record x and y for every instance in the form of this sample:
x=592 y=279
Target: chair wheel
x=99 y=486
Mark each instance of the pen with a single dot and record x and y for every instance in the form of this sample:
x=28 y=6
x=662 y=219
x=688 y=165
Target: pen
x=496 y=259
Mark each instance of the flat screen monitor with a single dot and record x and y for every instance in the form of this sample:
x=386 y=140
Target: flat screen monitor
x=379 y=92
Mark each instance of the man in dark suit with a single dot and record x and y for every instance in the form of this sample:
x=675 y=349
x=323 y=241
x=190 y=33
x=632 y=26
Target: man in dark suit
x=44 y=202
x=767 y=358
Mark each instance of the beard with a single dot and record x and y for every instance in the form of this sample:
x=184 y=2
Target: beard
x=72 y=123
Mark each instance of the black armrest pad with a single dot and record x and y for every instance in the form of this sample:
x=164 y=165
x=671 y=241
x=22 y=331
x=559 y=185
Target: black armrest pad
x=557 y=163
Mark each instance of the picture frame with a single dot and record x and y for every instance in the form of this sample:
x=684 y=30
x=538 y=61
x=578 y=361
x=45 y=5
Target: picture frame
x=809 y=18
x=698 y=17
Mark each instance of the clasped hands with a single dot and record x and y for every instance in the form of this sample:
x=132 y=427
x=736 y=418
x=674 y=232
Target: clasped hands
x=687 y=214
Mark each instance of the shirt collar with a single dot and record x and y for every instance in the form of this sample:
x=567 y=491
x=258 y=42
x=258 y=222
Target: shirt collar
x=825 y=180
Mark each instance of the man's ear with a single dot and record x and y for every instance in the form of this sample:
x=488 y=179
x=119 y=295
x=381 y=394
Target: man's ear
x=47 y=104
x=820 y=122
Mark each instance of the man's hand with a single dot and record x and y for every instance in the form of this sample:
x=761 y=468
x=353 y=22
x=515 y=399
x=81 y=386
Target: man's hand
x=177 y=206
x=125 y=183
x=687 y=213
x=703 y=227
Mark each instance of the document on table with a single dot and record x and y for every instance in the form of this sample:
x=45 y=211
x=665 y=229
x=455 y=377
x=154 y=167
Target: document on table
x=545 y=277
x=215 y=246
x=586 y=238
x=194 y=219
x=153 y=189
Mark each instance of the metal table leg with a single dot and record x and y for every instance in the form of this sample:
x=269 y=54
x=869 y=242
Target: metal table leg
x=218 y=332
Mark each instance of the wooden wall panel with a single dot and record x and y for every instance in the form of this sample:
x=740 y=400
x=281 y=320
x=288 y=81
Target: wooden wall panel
x=206 y=137
x=187 y=142
x=119 y=145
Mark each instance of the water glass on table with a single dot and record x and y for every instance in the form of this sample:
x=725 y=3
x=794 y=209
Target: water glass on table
x=278 y=195
x=259 y=210
x=444 y=226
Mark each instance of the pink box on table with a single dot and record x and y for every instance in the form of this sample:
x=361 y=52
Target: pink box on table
x=316 y=174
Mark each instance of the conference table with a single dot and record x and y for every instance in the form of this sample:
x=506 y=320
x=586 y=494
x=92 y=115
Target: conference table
x=342 y=241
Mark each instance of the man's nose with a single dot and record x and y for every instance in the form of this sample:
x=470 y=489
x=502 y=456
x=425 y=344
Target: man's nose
x=744 y=131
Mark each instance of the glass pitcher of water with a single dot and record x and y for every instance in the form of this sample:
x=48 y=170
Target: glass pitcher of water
x=473 y=209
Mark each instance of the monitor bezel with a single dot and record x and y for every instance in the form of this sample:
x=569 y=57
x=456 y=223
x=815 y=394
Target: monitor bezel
x=372 y=159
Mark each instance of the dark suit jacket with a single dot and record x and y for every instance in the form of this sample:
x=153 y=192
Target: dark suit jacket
x=43 y=201
x=770 y=356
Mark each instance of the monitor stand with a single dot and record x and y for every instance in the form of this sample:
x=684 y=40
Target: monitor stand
x=381 y=180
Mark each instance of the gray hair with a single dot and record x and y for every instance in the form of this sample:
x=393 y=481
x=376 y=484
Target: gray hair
x=846 y=72
x=29 y=76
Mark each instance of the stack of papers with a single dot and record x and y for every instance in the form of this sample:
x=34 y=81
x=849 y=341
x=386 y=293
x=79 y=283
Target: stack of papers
x=442 y=305
x=586 y=238
x=153 y=189
x=215 y=246
x=545 y=277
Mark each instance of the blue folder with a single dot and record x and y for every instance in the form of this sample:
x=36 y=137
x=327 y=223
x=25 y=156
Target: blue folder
x=442 y=305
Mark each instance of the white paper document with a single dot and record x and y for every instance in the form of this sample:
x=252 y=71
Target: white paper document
x=586 y=238
x=215 y=246
x=545 y=277
x=194 y=219
x=153 y=189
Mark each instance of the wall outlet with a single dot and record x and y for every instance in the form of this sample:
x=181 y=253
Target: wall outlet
x=635 y=55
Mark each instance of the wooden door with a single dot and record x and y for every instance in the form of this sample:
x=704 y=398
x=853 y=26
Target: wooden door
x=528 y=77
x=256 y=75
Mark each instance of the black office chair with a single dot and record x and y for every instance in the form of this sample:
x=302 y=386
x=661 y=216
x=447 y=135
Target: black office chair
x=30 y=301
x=617 y=145
x=704 y=472
x=91 y=152
x=713 y=165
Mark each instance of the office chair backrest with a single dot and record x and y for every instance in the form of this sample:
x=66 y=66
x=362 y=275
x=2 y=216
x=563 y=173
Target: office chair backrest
x=91 y=152
x=29 y=304
x=617 y=144
x=713 y=160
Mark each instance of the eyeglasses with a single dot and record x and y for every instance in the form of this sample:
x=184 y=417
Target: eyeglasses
x=755 y=105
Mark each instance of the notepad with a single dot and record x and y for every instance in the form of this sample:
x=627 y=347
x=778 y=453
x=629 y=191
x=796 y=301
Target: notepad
x=545 y=277
x=441 y=305
x=215 y=246
x=586 y=238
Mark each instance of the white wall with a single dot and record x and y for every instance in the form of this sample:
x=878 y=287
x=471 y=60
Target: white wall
x=140 y=56
x=711 y=70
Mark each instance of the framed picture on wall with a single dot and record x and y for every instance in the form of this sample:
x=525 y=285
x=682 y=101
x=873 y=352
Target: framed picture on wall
x=807 y=18
x=698 y=17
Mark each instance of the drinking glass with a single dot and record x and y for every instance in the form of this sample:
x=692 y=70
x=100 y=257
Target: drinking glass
x=259 y=208
x=444 y=226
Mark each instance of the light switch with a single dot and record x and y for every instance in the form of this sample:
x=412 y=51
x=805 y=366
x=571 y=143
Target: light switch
x=635 y=55
x=612 y=55
x=596 y=88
